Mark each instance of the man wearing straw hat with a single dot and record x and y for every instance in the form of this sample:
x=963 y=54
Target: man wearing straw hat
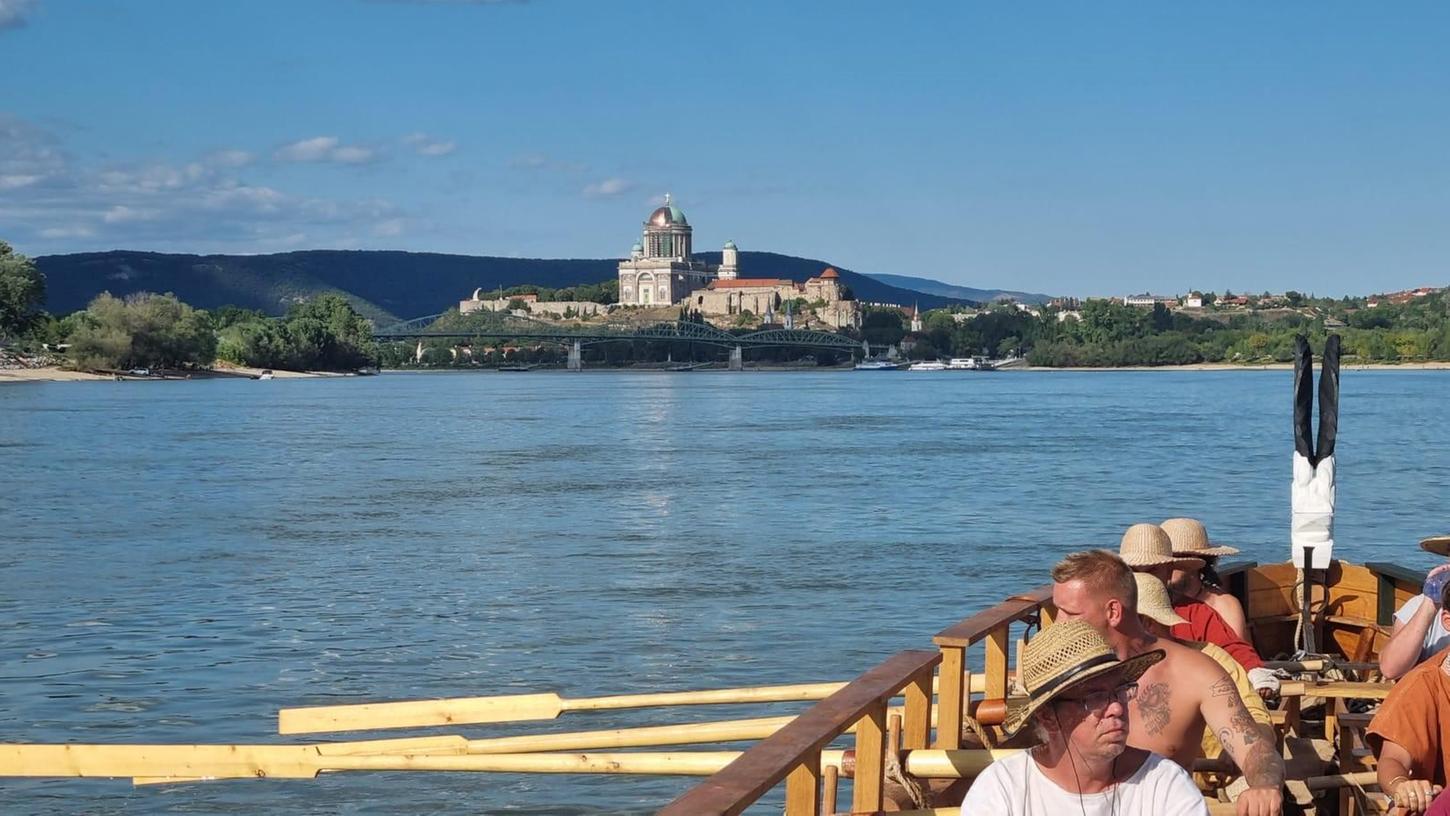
x=1178 y=696
x=1147 y=548
x=1422 y=625
x=1077 y=700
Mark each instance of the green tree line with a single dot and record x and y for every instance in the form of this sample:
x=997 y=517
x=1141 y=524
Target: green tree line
x=1106 y=333
x=147 y=330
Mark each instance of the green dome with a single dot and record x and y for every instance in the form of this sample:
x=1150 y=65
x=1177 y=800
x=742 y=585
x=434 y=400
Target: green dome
x=730 y=245
x=668 y=215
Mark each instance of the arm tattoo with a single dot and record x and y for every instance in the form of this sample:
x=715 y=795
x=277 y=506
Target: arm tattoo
x=1153 y=707
x=1245 y=741
x=1223 y=687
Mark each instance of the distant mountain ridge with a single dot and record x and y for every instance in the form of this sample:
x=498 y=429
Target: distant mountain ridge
x=936 y=287
x=384 y=285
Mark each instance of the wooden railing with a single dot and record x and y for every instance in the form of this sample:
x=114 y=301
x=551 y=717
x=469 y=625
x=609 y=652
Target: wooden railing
x=793 y=754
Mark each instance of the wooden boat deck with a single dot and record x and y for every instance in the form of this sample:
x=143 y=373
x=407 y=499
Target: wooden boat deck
x=1351 y=606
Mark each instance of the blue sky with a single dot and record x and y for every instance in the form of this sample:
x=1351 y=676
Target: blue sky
x=1077 y=148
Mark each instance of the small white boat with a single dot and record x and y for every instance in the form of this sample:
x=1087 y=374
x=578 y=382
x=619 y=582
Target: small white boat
x=977 y=363
x=879 y=365
x=265 y=375
x=929 y=365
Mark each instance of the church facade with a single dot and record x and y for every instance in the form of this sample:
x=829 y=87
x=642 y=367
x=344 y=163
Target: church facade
x=660 y=271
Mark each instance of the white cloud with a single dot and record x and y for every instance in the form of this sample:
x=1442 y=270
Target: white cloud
x=13 y=13
x=608 y=188
x=18 y=180
x=388 y=229
x=315 y=149
x=71 y=231
x=121 y=214
x=425 y=145
x=230 y=158
x=353 y=155
x=324 y=149
x=58 y=203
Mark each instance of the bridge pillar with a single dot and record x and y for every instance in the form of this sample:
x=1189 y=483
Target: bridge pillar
x=737 y=359
x=576 y=357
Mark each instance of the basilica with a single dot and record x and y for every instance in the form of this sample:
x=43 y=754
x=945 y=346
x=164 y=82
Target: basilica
x=661 y=271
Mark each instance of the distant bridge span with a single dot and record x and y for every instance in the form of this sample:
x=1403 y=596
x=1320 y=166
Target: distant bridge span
x=509 y=326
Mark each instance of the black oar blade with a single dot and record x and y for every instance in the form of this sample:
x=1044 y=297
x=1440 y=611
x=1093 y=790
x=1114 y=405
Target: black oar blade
x=1303 y=398
x=1328 y=400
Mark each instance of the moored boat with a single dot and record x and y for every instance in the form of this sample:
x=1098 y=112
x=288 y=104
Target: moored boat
x=880 y=365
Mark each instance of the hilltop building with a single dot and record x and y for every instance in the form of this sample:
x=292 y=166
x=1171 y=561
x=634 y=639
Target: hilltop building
x=661 y=272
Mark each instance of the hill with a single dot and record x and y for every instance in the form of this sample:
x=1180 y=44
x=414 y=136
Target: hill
x=936 y=287
x=383 y=285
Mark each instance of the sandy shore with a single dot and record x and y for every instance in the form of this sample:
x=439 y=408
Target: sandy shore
x=54 y=374
x=1436 y=366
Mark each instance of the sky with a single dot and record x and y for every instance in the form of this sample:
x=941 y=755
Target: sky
x=1061 y=147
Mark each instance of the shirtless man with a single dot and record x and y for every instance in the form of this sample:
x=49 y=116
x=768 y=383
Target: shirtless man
x=1178 y=696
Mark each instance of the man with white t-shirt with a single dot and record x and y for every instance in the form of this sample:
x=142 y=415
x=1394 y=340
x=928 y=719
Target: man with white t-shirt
x=1077 y=699
x=1422 y=626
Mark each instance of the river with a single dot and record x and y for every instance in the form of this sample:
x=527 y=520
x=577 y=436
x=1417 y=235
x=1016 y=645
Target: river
x=181 y=559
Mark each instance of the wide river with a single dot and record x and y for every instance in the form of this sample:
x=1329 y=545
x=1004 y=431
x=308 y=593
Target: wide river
x=179 y=560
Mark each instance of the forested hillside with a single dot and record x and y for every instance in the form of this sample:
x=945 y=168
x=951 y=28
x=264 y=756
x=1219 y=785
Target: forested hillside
x=381 y=285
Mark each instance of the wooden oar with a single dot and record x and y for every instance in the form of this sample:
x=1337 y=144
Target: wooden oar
x=525 y=707
x=150 y=764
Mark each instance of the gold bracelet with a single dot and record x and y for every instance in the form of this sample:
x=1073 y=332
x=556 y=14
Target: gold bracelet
x=1395 y=783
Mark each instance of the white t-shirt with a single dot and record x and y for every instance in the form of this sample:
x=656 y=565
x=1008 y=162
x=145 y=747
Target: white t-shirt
x=1435 y=639
x=1014 y=786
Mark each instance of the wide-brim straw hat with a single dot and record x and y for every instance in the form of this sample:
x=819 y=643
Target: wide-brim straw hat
x=1154 y=602
x=1439 y=545
x=1146 y=545
x=1063 y=656
x=1190 y=538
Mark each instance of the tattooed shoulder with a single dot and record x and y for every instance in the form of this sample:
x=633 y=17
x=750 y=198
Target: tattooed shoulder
x=1223 y=687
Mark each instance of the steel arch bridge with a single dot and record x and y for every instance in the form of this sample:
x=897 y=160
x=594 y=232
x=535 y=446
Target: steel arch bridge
x=509 y=326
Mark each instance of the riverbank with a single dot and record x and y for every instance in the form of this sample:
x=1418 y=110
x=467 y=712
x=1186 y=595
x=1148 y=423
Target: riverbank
x=57 y=374
x=1427 y=366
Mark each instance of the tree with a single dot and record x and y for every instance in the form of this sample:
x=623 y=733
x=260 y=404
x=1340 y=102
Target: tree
x=145 y=330
x=22 y=291
x=327 y=333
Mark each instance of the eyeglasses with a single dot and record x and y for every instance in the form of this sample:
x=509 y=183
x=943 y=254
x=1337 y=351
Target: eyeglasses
x=1097 y=702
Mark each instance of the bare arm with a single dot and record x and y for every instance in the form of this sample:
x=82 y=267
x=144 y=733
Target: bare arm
x=1402 y=651
x=1396 y=777
x=1249 y=744
x=1232 y=613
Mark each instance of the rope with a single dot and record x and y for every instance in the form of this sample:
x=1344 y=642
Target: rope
x=898 y=775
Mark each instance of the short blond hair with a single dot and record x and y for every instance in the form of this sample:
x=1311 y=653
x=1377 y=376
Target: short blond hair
x=1103 y=573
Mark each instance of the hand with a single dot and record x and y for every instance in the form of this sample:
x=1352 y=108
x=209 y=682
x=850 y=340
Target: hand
x=1413 y=795
x=1435 y=581
x=1261 y=802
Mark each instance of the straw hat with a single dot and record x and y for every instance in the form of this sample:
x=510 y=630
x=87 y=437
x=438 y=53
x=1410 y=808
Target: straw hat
x=1190 y=538
x=1153 y=600
x=1146 y=545
x=1062 y=656
x=1439 y=545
